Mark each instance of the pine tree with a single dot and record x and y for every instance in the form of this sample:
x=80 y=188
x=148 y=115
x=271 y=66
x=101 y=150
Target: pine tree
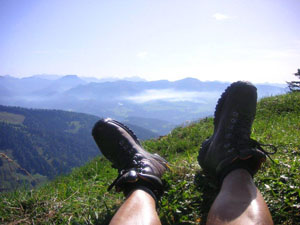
x=295 y=85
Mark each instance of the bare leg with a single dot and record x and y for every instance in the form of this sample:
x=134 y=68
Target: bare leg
x=239 y=202
x=138 y=209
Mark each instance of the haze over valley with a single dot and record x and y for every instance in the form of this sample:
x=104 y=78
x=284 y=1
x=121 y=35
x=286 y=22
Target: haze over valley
x=134 y=100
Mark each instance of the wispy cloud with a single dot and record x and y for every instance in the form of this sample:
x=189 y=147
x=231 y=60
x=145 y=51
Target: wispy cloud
x=142 y=54
x=172 y=95
x=220 y=16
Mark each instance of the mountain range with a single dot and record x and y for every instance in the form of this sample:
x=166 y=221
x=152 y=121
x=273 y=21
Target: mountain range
x=161 y=104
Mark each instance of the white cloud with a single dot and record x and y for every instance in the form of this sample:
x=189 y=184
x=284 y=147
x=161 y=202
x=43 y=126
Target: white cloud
x=142 y=55
x=173 y=96
x=220 y=16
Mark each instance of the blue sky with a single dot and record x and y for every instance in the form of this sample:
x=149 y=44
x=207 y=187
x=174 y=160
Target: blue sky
x=227 y=40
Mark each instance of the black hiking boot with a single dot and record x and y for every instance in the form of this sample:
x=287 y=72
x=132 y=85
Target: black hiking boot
x=230 y=146
x=137 y=168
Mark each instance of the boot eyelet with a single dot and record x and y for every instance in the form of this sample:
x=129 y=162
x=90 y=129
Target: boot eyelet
x=235 y=114
x=227 y=136
x=227 y=145
x=230 y=150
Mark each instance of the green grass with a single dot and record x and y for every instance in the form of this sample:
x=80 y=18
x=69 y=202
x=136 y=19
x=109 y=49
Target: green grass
x=74 y=127
x=81 y=197
x=11 y=118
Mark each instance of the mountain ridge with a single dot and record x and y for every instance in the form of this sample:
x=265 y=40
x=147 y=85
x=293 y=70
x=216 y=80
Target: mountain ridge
x=172 y=101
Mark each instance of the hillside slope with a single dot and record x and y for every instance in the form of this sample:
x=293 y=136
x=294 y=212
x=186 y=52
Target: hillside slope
x=44 y=143
x=81 y=197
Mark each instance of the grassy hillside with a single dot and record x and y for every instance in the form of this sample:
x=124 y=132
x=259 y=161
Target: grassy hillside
x=81 y=197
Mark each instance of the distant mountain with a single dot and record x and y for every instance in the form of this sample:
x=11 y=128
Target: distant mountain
x=158 y=127
x=134 y=79
x=112 y=79
x=141 y=132
x=59 y=86
x=46 y=143
x=47 y=76
x=170 y=102
x=22 y=87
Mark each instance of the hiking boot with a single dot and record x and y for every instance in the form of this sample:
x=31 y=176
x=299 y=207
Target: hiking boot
x=136 y=166
x=230 y=146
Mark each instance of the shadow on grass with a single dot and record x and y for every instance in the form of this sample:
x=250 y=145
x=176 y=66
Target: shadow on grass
x=209 y=190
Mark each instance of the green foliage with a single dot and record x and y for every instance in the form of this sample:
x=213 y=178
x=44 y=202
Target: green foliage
x=81 y=197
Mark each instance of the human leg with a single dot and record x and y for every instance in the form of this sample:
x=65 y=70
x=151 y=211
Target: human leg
x=139 y=172
x=138 y=209
x=239 y=202
x=232 y=157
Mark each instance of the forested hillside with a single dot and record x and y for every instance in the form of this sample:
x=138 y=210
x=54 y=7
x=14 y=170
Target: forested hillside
x=45 y=143
x=82 y=197
x=36 y=145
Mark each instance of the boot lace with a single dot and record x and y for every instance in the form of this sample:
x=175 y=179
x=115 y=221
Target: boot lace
x=256 y=144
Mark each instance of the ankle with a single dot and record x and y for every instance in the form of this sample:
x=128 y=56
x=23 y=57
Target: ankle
x=239 y=181
x=142 y=192
x=239 y=173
